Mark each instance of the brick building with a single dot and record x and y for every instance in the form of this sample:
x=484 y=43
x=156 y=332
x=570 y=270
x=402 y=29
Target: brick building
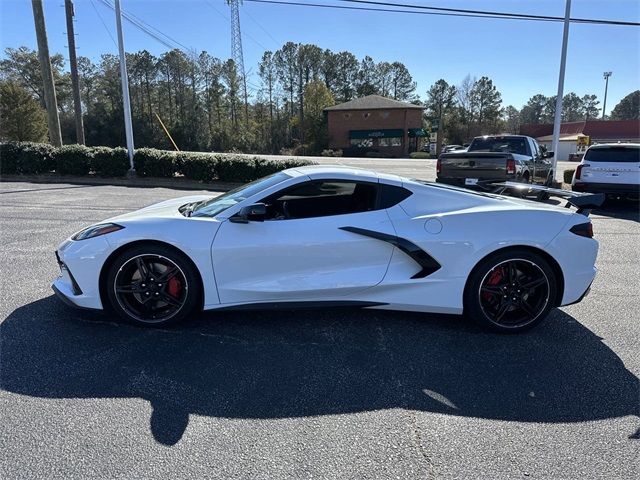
x=375 y=124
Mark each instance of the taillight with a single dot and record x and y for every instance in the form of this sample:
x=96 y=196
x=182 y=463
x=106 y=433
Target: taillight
x=511 y=165
x=438 y=166
x=583 y=229
x=579 y=170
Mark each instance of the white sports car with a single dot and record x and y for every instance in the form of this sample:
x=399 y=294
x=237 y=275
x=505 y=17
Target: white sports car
x=336 y=236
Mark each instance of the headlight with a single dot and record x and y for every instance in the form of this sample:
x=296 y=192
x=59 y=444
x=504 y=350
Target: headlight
x=96 y=231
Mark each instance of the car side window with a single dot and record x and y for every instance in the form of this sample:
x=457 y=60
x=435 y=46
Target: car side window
x=539 y=152
x=322 y=198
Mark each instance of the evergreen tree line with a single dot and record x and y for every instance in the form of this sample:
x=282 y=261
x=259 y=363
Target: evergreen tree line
x=200 y=99
x=474 y=107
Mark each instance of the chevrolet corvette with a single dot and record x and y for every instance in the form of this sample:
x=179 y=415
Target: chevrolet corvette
x=337 y=236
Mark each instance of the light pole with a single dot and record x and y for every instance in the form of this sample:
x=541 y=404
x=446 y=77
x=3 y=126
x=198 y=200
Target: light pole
x=128 y=127
x=563 y=62
x=606 y=76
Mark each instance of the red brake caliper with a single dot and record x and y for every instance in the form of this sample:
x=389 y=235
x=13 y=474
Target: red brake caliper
x=174 y=287
x=495 y=278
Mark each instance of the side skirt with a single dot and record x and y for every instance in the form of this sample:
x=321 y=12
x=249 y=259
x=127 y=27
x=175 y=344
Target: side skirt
x=311 y=305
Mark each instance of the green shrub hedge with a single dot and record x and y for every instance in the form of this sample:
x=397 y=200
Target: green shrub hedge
x=26 y=158
x=34 y=158
x=197 y=166
x=73 y=160
x=110 y=162
x=568 y=175
x=150 y=162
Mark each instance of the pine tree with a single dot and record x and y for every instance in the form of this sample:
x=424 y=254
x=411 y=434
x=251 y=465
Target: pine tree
x=21 y=117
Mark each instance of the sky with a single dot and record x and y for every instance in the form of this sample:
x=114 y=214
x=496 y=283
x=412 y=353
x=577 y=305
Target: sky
x=521 y=57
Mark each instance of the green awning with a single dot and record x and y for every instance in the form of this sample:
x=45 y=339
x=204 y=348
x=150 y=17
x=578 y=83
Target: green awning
x=385 y=133
x=417 y=132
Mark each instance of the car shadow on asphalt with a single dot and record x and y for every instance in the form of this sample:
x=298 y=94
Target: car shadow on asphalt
x=621 y=209
x=284 y=364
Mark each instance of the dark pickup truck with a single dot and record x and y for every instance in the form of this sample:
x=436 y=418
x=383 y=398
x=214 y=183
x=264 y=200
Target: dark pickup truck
x=496 y=158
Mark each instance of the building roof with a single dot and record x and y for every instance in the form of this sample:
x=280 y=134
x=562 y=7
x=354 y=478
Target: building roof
x=596 y=129
x=373 y=102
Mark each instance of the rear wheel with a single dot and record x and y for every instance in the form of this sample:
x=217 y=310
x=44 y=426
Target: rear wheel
x=510 y=291
x=152 y=285
x=549 y=181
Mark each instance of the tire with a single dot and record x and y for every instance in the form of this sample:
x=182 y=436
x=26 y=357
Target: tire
x=153 y=285
x=497 y=300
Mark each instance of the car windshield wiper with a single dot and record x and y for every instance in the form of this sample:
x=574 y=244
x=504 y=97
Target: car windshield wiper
x=189 y=208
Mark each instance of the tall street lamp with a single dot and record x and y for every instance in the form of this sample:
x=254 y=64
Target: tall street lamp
x=606 y=76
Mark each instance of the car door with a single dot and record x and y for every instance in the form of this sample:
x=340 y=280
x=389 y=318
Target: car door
x=541 y=164
x=301 y=251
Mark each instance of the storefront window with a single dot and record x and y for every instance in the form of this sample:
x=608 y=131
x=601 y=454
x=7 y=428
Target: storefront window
x=361 y=142
x=391 y=142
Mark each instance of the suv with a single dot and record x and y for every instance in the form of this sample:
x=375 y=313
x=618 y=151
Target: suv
x=610 y=168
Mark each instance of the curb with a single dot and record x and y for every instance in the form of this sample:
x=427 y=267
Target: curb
x=137 y=182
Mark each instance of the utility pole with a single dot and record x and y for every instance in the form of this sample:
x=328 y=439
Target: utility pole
x=606 y=76
x=128 y=125
x=73 y=65
x=563 y=63
x=50 y=101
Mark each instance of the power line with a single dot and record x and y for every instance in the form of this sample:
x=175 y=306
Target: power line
x=167 y=41
x=139 y=26
x=104 y=24
x=503 y=16
x=159 y=31
x=262 y=28
x=384 y=10
x=485 y=12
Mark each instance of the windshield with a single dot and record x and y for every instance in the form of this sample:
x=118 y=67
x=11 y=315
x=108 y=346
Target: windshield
x=613 y=154
x=213 y=207
x=499 y=144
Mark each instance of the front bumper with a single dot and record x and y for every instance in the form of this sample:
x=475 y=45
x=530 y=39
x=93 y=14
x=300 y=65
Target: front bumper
x=78 y=281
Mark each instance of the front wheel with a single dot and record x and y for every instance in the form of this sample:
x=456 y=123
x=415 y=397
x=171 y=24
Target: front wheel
x=152 y=285
x=510 y=291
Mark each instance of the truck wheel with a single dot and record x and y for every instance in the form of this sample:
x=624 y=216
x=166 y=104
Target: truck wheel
x=549 y=181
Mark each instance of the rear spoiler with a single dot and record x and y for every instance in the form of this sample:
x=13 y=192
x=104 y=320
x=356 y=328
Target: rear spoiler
x=584 y=202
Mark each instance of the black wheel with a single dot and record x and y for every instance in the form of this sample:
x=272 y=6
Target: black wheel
x=152 y=285
x=511 y=291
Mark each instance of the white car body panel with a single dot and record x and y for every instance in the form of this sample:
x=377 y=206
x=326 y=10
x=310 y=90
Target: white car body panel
x=299 y=260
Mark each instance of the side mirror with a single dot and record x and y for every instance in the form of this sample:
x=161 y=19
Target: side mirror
x=549 y=154
x=252 y=213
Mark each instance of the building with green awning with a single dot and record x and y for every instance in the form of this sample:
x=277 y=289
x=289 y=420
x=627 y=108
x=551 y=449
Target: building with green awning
x=375 y=124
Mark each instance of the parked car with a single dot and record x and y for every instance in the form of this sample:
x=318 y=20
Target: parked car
x=610 y=168
x=335 y=236
x=496 y=158
x=451 y=148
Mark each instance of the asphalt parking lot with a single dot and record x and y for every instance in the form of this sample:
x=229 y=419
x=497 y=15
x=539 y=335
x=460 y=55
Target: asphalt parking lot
x=307 y=394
